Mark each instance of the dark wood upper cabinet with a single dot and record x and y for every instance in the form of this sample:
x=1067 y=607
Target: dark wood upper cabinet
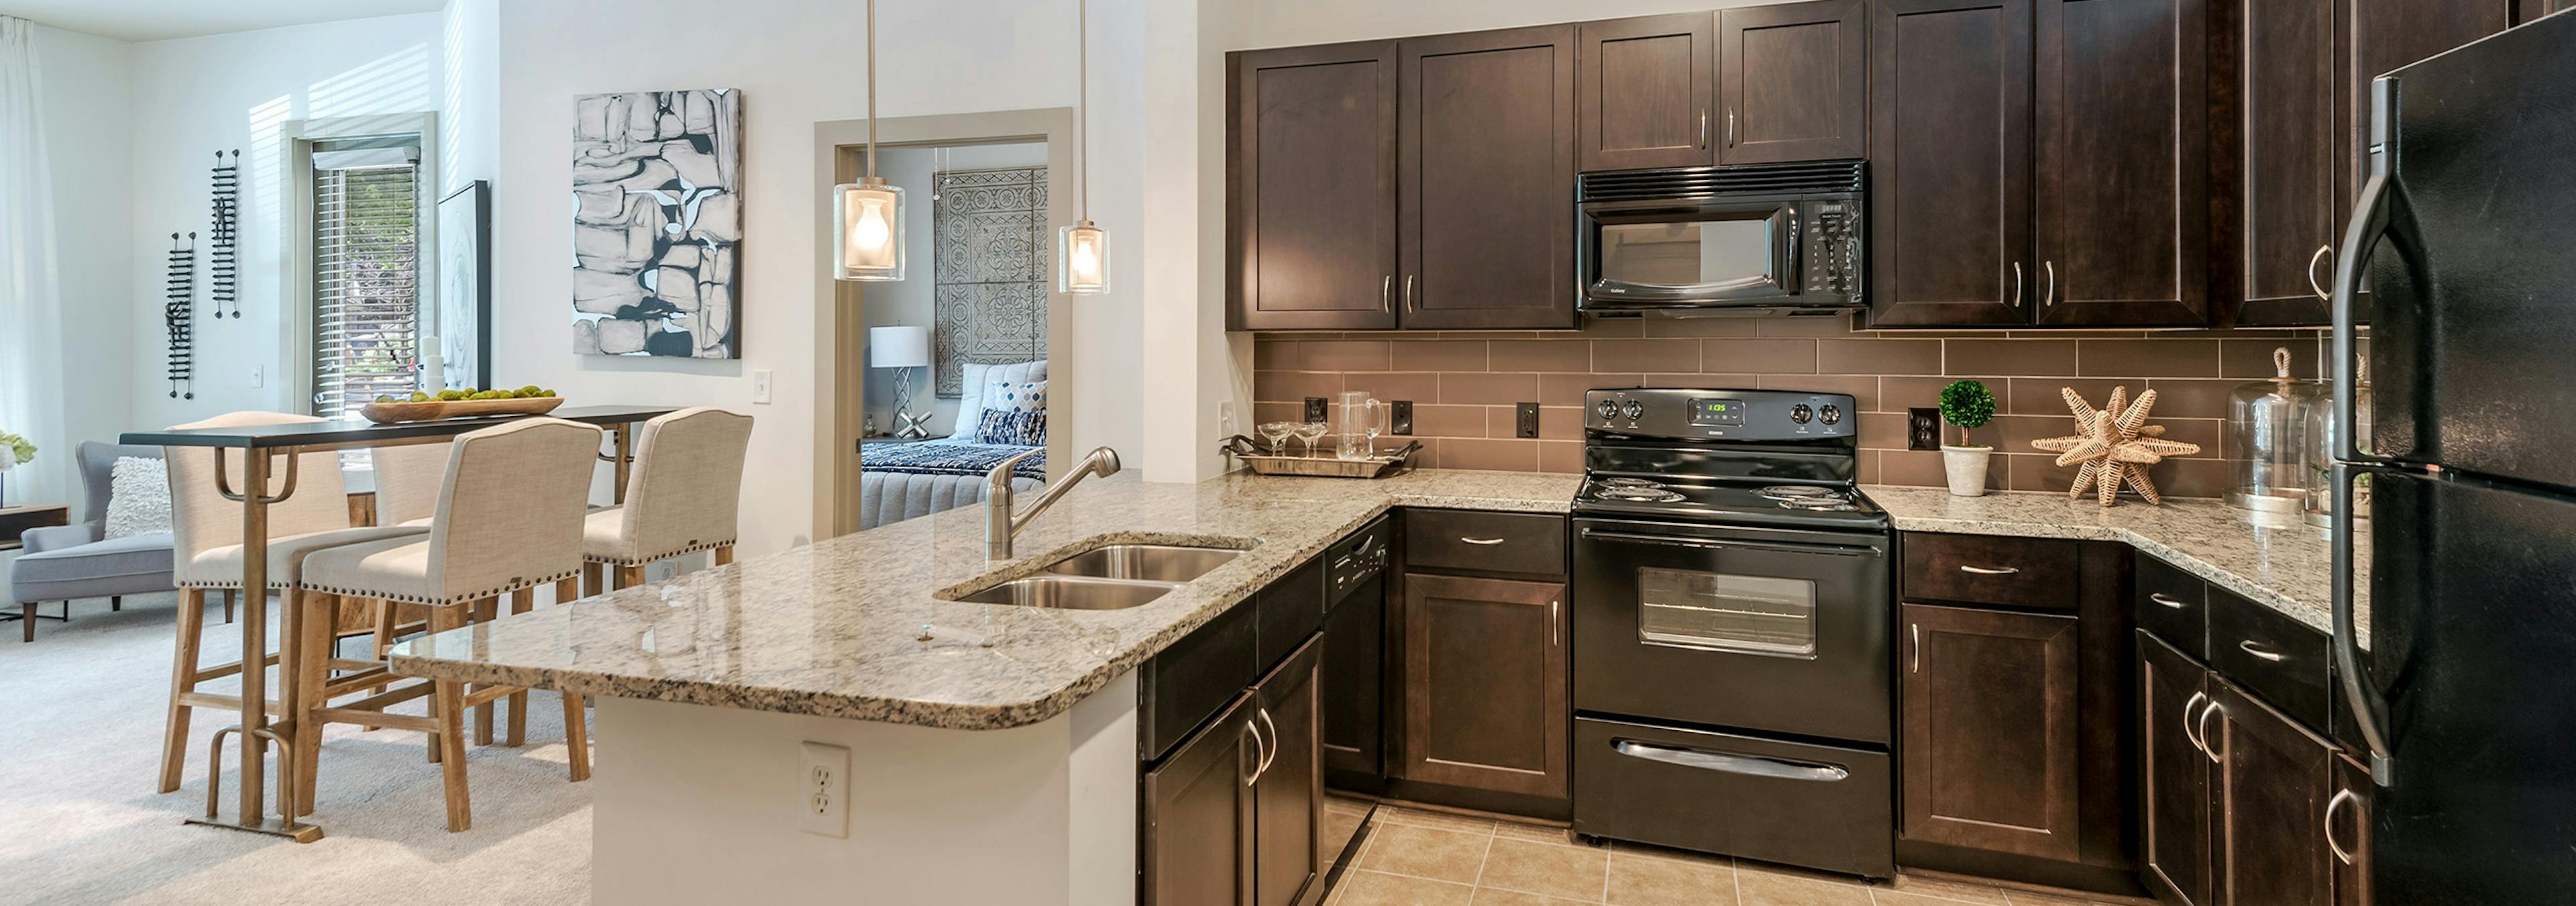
x=2282 y=118
x=1949 y=139
x=1485 y=170
x=1793 y=82
x=2273 y=777
x=2173 y=856
x=1642 y=91
x=2120 y=224
x=1311 y=194
x=1991 y=758
x=1486 y=686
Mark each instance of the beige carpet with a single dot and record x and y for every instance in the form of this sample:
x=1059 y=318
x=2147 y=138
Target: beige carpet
x=81 y=714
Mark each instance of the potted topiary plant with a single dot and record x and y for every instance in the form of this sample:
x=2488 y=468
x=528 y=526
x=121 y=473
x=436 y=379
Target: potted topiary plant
x=1969 y=405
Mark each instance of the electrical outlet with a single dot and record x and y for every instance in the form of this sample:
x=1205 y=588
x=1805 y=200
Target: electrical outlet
x=823 y=790
x=1399 y=417
x=1923 y=429
x=760 y=386
x=1314 y=408
x=1525 y=421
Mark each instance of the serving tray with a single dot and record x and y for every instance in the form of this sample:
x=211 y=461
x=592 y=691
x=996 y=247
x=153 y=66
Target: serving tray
x=434 y=410
x=1262 y=462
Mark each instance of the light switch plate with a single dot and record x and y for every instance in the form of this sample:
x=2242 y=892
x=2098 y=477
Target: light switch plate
x=259 y=375
x=1525 y=420
x=760 y=386
x=823 y=790
x=1399 y=417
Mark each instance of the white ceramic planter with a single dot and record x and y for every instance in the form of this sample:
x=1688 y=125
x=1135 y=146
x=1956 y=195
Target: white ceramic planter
x=1967 y=469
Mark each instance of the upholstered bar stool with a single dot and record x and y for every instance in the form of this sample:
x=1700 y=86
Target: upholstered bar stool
x=206 y=531
x=409 y=480
x=683 y=496
x=509 y=519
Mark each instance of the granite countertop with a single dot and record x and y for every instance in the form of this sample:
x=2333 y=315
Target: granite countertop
x=2281 y=563
x=834 y=628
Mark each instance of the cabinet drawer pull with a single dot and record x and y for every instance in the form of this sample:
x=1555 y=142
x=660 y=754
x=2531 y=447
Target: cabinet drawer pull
x=1989 y=570
x=2341 y=796
x=2206 y=746
x=1481 y=542
x=2159 y=597
x=2250 y=647
x=2187 y=733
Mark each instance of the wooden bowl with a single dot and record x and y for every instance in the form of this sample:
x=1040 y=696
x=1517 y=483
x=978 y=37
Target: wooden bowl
x=434 y=410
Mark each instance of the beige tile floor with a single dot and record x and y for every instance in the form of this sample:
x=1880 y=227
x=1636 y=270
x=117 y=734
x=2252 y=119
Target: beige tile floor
x=1420 y=858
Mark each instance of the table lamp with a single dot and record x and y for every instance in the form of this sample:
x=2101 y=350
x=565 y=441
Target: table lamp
x=902 y=349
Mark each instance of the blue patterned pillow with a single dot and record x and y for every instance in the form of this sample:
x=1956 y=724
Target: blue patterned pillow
x=1014 y=427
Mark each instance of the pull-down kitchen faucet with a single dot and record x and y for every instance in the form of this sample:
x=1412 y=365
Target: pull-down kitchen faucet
x=999 y=523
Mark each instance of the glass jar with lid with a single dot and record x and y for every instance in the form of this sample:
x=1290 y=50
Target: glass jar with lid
x=2321 y=450
x=2267 y=440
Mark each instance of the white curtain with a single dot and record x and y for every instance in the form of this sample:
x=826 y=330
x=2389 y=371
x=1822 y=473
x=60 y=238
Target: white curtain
x=31 y=372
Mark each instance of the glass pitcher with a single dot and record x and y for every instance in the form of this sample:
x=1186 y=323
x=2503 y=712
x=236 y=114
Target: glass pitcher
x=1360 y=421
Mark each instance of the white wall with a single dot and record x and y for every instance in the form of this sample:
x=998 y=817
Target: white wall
x=87 y=90
x=912 y=301
x=469 y=118
x=193 y=96
x=797 y=62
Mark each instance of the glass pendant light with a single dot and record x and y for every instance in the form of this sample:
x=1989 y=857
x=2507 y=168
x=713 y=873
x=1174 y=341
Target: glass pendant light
x=867 y=216
x=1082 y=250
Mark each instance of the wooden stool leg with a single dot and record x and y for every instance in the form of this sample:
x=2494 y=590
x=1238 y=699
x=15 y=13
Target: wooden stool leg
x=724 y=555
x=318 y=613
x=521 y=601
x=183 y=680
x=27 y=620
x=228 y=605
x=484 y=611
x=591 y=577
x=449 y=700
x=630 y=576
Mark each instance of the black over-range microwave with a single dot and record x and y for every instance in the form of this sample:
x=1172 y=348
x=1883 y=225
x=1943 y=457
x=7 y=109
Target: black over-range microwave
x=1767 y=239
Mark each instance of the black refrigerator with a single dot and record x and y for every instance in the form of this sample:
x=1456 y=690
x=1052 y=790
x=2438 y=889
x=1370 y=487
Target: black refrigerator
x=2465 y=240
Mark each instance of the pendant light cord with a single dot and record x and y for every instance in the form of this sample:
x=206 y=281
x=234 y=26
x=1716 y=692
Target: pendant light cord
x=872 y=89
x=1082 y=105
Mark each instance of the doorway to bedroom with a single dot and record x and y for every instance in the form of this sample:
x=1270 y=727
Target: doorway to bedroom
x=931 y=381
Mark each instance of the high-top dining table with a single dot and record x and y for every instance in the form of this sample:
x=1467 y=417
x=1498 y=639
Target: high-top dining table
x=291 y=441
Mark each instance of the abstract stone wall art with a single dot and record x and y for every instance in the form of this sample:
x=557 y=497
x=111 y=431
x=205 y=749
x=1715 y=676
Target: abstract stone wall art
x=989 y=270
x=657 y=218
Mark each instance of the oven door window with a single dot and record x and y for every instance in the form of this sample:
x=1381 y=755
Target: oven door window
x=1727 y=612
x=1703 y=254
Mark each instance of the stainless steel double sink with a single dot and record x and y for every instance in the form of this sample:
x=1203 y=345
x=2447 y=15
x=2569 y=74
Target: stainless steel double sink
x=1112 y=577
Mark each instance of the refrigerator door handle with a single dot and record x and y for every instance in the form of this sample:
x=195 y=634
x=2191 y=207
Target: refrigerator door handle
x=2370 y=713
x=2371 y=218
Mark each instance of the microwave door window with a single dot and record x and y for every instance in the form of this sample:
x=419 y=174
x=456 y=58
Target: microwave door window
x=1701 y=258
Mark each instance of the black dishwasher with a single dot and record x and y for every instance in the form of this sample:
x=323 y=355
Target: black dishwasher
x=1355 y=660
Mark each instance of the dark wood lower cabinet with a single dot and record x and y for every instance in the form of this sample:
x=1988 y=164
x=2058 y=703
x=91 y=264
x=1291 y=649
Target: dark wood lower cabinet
x=2173 y=858
x=2273 y=776
x=2348 y=832
x=1198 y=837
x=1991 y=758
x=1288 y=784
x=1487 y=702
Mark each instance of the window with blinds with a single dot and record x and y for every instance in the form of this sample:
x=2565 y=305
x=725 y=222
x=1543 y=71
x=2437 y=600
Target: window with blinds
x=366 y=276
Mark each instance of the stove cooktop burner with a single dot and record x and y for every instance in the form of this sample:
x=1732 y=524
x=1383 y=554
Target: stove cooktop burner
x=1796 y=493
x=1636 y=494
x=1625 y=482
x=1821 y=506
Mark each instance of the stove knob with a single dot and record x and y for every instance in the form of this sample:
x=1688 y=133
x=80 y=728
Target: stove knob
x=1635 y=410
x=1800 y=413
x=1833 y=414
x=1609 y=409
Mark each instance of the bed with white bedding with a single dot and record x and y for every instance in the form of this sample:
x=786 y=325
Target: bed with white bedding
x=903 y=481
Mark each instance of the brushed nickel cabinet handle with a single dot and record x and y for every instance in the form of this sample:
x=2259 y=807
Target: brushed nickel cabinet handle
x=1553 y=623
x=1730 y=127
x=1482 y=542
x=2016 y=284
x=2187 y=734
x=2207 y=746
x=2159 y=597
x=1703 y=127
x=2049 y=298
x=1240 y=773
x=1913 y=647
x=1386 y=294
x=2250 y=647
x=2341 y=796
x=1408 y=294
x=1989 y=570
x=1273 y=754
x=2324 y=252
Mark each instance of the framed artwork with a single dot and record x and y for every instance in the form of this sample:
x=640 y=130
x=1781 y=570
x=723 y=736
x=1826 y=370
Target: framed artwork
x=657 y=216
x=465 y=286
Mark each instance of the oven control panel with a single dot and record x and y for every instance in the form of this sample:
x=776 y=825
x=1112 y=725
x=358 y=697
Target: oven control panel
x=1747 y=415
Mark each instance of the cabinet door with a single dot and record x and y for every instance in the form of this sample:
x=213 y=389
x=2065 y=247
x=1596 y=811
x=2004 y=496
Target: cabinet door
x=1288 y=790
x=1642 y=91
x=2174 y=855
x=2121 y=223
x=2282 y=200
x=2533 y=9
x=1485 y=684
x=1311 y=196
x=2387 y=34
x=2348 y=831
x=1949 y=141
x=1793 y=82
x=2268 y=845
x=1485 y=211
x=1991 y=757
x=1199 y=816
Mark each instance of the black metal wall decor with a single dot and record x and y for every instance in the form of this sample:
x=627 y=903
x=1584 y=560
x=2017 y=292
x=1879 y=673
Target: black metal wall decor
x=177 y=312
x=227 y=227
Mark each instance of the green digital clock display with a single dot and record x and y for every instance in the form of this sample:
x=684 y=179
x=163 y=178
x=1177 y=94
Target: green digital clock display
x=1720 y=412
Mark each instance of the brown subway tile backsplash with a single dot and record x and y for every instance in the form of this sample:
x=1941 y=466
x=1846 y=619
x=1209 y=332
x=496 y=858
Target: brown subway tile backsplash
x=1464 y=384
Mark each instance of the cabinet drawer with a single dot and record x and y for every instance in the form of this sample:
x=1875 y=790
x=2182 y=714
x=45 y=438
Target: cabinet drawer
x=1530 y=543
x=1291 y=611
x=1197 y=676
x=2174 y=605
x=1990 y=569
x=2277 y=658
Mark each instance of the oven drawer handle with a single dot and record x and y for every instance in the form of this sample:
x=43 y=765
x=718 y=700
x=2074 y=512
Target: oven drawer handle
x=1755 y=765
x=1990 y=570
x=1717 y=544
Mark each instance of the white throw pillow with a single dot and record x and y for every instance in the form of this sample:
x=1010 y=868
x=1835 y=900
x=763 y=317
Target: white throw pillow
x=975 y=379
x=138 y=497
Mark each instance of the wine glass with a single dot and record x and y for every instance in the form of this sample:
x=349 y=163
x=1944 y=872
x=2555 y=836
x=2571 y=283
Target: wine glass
x=1310 y=432
x=1277 y=434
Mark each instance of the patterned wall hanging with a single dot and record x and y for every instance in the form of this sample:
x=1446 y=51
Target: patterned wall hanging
x=657 y=216
x=990 y=273
x=177 y=309
x=225 y=230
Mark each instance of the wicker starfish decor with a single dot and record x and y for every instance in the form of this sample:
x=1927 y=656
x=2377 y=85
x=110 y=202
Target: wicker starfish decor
x=2114 y=446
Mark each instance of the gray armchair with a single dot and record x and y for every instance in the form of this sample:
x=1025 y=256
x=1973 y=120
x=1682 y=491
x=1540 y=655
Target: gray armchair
x=66 y=562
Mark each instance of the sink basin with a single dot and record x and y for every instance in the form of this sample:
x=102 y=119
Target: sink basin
x=1145 y=562
x=1071 y=593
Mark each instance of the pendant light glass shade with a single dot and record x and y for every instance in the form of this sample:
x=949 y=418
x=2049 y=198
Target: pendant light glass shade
x=867 y=229
x=1082 y=260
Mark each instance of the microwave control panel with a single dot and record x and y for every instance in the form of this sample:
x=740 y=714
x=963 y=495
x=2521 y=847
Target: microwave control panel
x=1834 y=259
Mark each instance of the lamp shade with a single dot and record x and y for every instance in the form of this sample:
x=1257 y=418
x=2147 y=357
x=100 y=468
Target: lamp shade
x=899 y=347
